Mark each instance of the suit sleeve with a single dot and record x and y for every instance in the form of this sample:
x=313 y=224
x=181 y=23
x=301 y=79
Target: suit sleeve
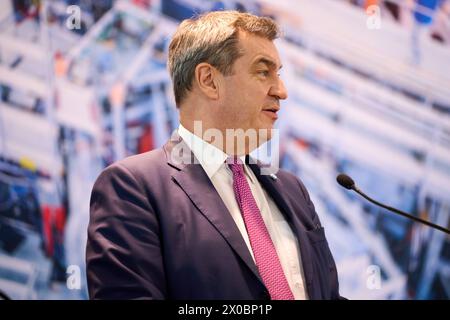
x=123 y=254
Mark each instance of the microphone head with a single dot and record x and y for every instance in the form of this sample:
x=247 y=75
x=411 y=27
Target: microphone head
x=345 y=181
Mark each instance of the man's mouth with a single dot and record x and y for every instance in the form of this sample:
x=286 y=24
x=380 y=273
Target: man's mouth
x=271 y=113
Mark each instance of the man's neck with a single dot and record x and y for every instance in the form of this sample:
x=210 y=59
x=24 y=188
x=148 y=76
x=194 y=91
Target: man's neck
x=218 y=138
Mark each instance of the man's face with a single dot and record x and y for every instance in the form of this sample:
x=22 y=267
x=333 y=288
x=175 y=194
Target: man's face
x=253 y=91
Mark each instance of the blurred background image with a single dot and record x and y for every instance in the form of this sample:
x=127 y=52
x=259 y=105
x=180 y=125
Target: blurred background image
x=84 y=83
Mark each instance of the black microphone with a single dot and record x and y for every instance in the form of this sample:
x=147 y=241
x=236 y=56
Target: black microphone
x=348 y=183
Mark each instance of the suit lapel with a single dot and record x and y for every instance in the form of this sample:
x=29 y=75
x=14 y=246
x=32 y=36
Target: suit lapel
x=273 y=188
x=195 y=183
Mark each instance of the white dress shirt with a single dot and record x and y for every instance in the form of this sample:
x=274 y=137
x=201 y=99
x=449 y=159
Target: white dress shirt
x=212 y=160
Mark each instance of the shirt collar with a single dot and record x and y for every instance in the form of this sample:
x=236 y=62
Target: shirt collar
x=209 y=156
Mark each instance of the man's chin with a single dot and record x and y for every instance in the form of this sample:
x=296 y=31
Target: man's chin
x=264 y=135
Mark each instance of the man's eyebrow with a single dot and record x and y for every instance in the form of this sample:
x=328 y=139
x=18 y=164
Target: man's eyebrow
x=270 y=63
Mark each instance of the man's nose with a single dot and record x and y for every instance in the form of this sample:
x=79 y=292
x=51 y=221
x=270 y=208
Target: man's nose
x=278 y=90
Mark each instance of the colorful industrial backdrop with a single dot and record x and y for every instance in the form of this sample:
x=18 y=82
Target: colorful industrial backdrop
x=84 y=83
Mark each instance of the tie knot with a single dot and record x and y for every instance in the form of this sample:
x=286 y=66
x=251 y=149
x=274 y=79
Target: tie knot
x=236 y=165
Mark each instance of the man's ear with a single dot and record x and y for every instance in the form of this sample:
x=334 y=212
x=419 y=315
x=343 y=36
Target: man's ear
x=206 y=77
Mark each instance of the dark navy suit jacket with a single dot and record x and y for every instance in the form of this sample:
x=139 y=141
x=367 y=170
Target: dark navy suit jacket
x=159 y=230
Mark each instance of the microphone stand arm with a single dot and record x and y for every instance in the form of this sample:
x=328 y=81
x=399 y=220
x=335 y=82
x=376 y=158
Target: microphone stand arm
x=402 y=213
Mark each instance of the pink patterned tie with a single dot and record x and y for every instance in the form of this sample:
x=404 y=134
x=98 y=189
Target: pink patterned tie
x=266 y=257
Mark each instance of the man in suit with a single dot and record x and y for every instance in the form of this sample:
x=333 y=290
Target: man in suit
x=198 y=219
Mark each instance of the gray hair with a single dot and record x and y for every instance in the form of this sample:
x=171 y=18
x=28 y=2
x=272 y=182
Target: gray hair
x=211 y=38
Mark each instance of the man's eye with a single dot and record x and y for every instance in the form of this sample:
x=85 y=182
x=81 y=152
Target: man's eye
x=265 y=73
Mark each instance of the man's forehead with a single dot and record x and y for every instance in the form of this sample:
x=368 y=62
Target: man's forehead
x=259 y=50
